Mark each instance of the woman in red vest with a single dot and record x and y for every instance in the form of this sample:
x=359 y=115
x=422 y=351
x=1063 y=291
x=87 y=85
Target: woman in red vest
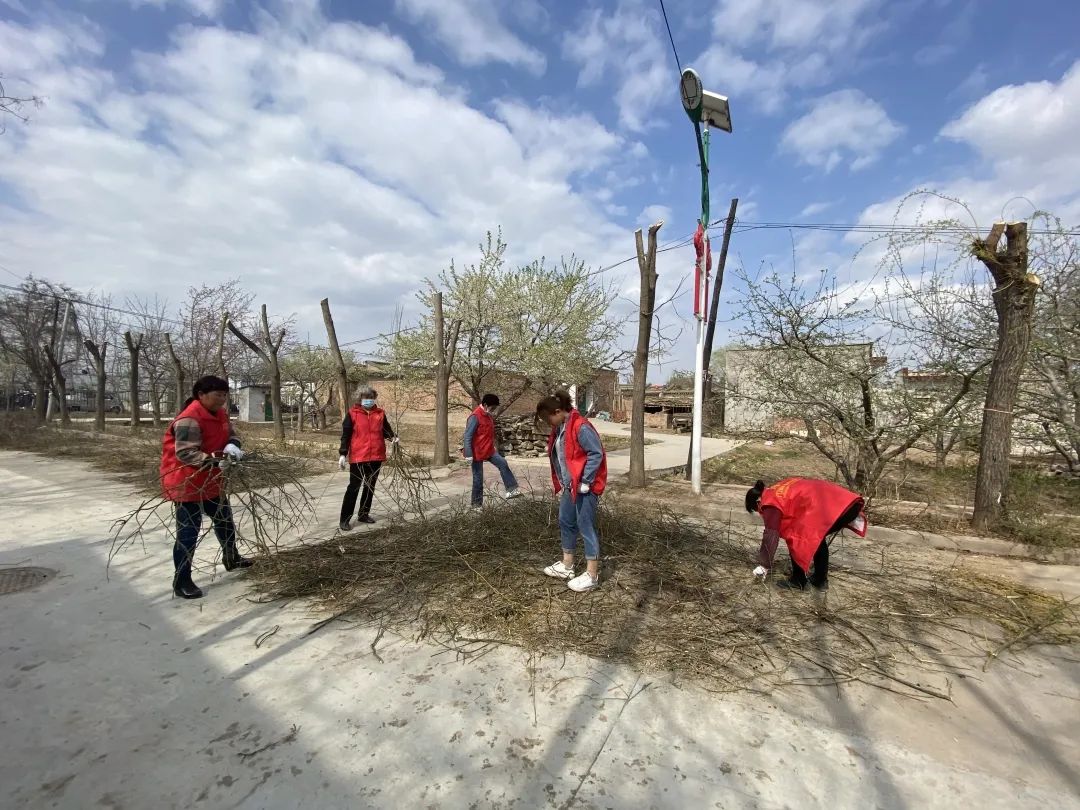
x=364 y=432
x=803 y=511
x=197 y=442
x=479 y=446
x=579 y=472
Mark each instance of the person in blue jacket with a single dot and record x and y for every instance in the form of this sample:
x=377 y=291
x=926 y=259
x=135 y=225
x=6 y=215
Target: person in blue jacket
x=480 y=446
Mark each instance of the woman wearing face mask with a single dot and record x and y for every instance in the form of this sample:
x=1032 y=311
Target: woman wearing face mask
x=364 y=433
x=192 y=450
x=479 y=446
x=579 y=472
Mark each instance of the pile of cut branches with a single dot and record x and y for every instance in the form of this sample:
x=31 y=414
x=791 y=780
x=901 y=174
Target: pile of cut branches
x=676 y=595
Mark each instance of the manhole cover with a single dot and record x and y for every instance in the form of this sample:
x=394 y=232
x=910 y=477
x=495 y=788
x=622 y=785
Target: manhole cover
x=22 y=579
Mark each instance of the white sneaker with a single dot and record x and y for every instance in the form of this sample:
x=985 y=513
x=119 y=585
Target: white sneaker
x=514 y=493
x=559 y=571
x=583 y=583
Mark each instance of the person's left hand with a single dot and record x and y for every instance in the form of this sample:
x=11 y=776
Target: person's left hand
x=584 y=489
x=233 y=451
x=395 y=440
x=761 y=572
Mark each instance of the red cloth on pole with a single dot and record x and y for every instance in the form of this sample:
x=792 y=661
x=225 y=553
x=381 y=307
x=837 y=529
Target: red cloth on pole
x=702 y=247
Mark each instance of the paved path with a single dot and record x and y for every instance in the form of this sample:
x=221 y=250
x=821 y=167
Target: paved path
x=115 y=695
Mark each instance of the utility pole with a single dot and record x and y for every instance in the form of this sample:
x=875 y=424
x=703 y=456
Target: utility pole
x=709 y=109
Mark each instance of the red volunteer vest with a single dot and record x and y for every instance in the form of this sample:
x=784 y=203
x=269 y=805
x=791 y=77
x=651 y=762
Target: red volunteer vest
x=181 y=482
x=809 y=508
x=576 y=457
x=367 y=442
x=483 y=441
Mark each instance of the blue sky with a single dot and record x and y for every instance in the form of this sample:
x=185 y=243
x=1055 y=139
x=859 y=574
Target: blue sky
x=315 y=150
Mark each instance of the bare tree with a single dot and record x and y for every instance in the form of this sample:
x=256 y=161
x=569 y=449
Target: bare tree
x=646 y=311
x=205 y=345
x=27 y=325
x=134 y=346
x=154 y=358
x=1014 y=302
x=268 y=353
x=179 y=375
x=59 y=382
x=15 y=106
x=98 y=327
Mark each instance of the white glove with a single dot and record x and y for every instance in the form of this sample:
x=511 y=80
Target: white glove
x=233 y=451
x=395 y=440
x=468 y=459
x=761 y=572
x=584 y=489
x=343 y=463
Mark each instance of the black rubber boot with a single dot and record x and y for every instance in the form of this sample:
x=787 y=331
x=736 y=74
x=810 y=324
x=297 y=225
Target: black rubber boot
x=345 y=526
x=184 y=587
x=232 y=560
x=365 y=519
x=790 y=585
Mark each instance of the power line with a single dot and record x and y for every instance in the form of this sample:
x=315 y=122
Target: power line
x=742 y=226
x=674 y=50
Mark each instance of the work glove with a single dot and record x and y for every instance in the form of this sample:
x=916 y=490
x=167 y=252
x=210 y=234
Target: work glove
x=761 y=572
x=343 y=463
x=584 y=489
x=233 y=451
x=468 y=459
x=395 y=440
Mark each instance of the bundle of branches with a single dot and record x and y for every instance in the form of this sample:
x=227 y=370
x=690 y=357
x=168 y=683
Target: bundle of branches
x=267 y=493
x=675 y=595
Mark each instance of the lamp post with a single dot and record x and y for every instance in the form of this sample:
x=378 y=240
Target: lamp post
x=709 y=109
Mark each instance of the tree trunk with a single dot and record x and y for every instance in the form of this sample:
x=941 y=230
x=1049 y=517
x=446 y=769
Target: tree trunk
x=445 y=348
x=339 y=361
x=269 y=355
x=221 y=370
x=178 y=375
x=134 y=347
x=647 y=269
x=98 y=353
x=155 y=400
x=59 y=386
x=1014 y=303
x=41 y=396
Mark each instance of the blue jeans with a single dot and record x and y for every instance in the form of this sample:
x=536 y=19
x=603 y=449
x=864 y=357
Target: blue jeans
x=576 y=516
x=188 y=521
x=509 y=482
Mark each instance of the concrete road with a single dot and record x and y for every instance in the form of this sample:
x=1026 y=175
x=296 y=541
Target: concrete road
x=114 y=695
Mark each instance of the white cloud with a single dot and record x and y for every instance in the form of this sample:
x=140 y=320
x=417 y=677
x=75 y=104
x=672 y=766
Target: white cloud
x=763 y=50
x=210 y=9
x=654 y=213
x=258 y=155
x=626 y=49
x=816 y=208
x=841 y=125
x=1024 y=142
x=472 y=32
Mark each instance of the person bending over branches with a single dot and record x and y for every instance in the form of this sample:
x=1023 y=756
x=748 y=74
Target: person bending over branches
x=196 y=445
x=479 y=446
x=803 y=511
x=579 y=472
x=364 y=433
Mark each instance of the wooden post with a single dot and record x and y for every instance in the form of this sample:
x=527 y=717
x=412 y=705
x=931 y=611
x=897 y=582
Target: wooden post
x=221 y=370
x=134 y=347
x=1014 y=303
x=647 y=270
x=339 y=361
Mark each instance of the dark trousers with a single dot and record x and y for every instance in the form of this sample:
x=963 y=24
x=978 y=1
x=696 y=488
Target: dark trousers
x=361 y=476
x=820 y=577
x=189 y=521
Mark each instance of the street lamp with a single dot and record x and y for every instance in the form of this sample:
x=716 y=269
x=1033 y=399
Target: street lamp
x=711 y=110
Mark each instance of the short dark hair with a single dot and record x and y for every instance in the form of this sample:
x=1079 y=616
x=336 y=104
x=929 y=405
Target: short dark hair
x=753 y=496
x=208 y=384
x=490 y=400
x=565 y=402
